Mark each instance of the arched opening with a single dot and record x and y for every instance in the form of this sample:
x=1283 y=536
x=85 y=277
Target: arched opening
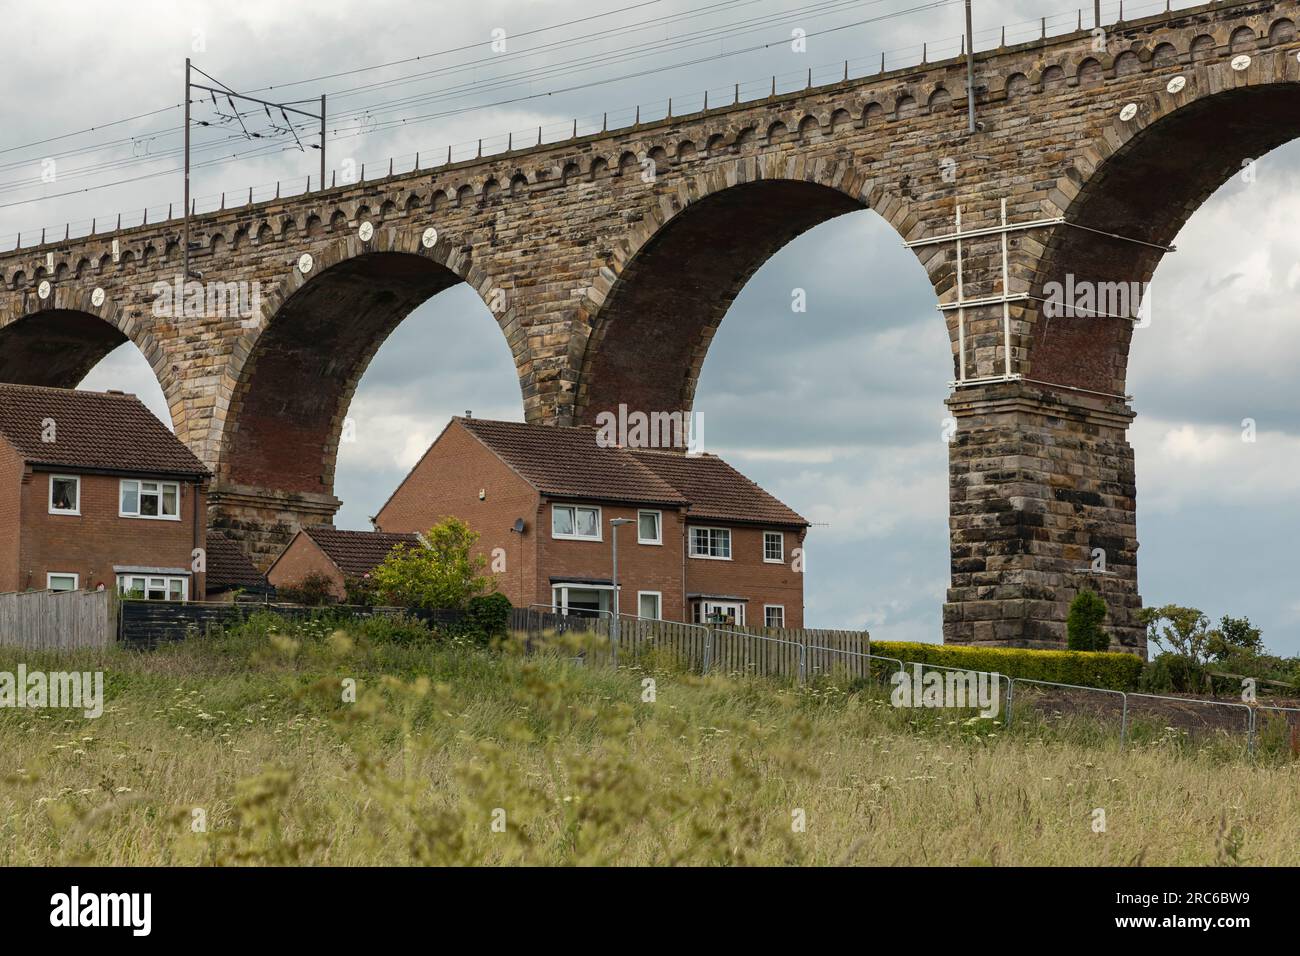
x=1217 y=439
x=1145 y=192
x=1190 y=449
x=67 y=348
x=55 y=347
x=649 y=339
x=793 y=320
x=288 y=415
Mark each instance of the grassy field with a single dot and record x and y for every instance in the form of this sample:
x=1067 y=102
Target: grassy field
x=246 y=750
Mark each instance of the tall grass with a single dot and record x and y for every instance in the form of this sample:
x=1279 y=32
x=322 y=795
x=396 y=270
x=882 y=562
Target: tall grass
x=247 y=748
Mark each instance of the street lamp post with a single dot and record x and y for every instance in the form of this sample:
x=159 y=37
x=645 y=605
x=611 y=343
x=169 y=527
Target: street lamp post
x=615 y=524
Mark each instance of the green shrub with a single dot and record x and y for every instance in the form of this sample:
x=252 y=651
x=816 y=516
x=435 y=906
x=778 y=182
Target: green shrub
x=1083 y=624
x=392 y=630
x=314 y=590
x=1173 y=673
x=1086 y=668
x=489 y=616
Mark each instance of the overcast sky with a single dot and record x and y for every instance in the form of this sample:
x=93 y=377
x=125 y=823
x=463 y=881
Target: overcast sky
x=838 y=411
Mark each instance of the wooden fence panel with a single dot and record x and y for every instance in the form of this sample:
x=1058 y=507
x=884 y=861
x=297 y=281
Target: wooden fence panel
x=57 y=620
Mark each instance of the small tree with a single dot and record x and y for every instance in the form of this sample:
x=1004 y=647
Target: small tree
x=1083 y=625
x=1178 y=630
x=440 y=572
x=1234 y=637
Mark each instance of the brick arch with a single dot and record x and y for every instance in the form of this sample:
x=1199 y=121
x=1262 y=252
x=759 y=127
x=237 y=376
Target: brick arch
x=1142 y=179
x=56 y=343
x=643 y=328
x=290 y=379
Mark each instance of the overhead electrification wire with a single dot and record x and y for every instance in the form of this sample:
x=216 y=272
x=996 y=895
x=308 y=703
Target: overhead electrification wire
x=563 y=69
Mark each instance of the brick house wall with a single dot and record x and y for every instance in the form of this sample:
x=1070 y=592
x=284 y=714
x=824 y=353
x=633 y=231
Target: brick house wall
x=641 y=567
x=91 y=544
x=748 y=575
x=447 y=481
x=301 y=558
x=11 y=477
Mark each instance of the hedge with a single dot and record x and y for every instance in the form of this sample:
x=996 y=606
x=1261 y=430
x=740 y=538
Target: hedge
x=1086 y=668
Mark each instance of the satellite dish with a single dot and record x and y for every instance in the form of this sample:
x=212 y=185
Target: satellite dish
x=519 y=525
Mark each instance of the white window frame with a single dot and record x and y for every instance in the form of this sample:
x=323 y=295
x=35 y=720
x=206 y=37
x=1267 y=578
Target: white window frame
x=560 y=595
x=139 y=494
x=774 y=607
x=659 y=526
x=780 y=559
x=50 y=496
x=659 y=604
x=50 y=575
x=690 y=543
x=704 y=605
x=166 y=579
x=600 y=533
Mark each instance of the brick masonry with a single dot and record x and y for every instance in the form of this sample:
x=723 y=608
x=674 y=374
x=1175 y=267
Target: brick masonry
x=608 y=284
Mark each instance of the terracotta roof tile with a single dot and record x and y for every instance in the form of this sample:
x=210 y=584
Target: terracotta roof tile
x=568 y=463
x=357 y=552
x=716 y=490
x=229 y=567
x=103 y=431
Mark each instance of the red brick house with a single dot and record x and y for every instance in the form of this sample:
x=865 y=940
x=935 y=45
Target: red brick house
x=95 y=492
x=702 y=541
x=338 y=555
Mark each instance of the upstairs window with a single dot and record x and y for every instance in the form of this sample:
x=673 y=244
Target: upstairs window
x=575 y=522
x=648 y=527
x=711 y=543
x=774 y=547
x=150 y=499
x=65 y=495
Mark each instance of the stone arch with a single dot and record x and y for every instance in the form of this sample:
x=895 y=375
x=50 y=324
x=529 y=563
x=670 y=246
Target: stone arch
x=1142 y=180
x=291 y=378
x=599 y=167
x=1203 y=47
x=518 y=184
x=940 y=100
x=841 y=120
x=1282 y=31
x=904 y=107
x=1127 y=63
x=686 y=151
x=873 y=112
x=57 y=344
x=1017 y=85
x=715 y=143
x=1090 y=72
x=464 y=195
x=643 y=328
x=1243 y=40
x=809 y=128
x=1165 y=54
x=570 y=172
x=627 y=162
x=777 y=132
x=1053 y=77
x=412 y=203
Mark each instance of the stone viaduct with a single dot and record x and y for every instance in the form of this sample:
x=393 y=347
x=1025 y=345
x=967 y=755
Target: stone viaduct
x=608 y=282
